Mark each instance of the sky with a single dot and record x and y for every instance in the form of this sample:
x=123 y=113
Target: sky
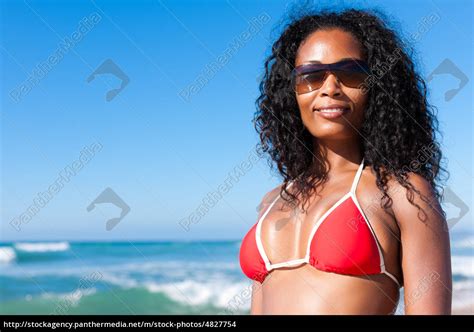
x=181 y=127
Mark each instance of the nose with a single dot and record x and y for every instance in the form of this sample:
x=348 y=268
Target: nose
x=331 y=86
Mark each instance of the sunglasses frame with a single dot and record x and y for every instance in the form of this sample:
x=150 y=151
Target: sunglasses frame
x=327 y=68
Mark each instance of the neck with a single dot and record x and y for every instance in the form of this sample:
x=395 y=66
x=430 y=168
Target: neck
x=338 y=154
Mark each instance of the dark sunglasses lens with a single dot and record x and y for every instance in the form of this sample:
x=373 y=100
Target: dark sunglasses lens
x=309 y=82
x=351 y=73
x=351 y=79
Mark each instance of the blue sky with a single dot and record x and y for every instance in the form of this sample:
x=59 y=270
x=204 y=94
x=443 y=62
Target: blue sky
x=162 y=154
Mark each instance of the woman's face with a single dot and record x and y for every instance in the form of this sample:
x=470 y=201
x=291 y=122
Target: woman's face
x=330 y=46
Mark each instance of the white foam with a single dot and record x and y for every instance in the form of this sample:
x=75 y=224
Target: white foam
x=71 y=298
x=171 y=270
x=42 y=246
x=120 y=281
x=7 y=255
x=235 y=296
x=463 y=295
x=232 y=295
x=463 y=265
x=168 y=265
x=177 y=270
x=465 y=285
x=226 y=294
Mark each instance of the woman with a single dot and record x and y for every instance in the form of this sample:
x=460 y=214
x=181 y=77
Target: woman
x=344 y=117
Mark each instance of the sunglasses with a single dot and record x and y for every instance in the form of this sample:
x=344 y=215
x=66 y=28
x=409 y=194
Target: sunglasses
x=309 y=77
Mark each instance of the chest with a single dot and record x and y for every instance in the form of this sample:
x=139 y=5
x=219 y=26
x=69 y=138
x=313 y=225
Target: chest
x=339 y=224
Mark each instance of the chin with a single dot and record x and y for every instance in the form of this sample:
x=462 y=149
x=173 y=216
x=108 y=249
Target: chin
x=332 y=131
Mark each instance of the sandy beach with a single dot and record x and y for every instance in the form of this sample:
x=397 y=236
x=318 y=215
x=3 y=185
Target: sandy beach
x=464 y=310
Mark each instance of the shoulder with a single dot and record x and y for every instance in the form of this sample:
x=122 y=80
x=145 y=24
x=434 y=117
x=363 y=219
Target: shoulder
x=395 y=189
x=418 y=187
x=402 y=208
x=415 y=202
x=268 y=199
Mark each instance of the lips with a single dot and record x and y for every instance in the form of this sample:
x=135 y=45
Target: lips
x=332 y=111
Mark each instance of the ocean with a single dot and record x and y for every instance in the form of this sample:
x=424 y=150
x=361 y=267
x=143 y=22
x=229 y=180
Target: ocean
x=201 y=277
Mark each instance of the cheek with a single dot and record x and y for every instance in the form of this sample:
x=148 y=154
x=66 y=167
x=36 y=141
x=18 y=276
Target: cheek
x=359 y=101
x=355 y=97
x=304 y=105
x=358 y=97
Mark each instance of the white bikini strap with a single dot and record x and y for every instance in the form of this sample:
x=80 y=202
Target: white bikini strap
x=392 y=276
x=273 y=203
x=357 y=177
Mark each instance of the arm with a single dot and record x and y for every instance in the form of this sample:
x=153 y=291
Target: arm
x=425 y=251
x=256 y=304
x=257 y=296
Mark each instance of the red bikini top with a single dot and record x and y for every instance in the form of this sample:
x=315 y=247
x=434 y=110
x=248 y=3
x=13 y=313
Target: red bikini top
x=333 y=245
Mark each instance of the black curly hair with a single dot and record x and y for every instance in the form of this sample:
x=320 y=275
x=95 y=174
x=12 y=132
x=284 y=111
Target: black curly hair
x=398 y=135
